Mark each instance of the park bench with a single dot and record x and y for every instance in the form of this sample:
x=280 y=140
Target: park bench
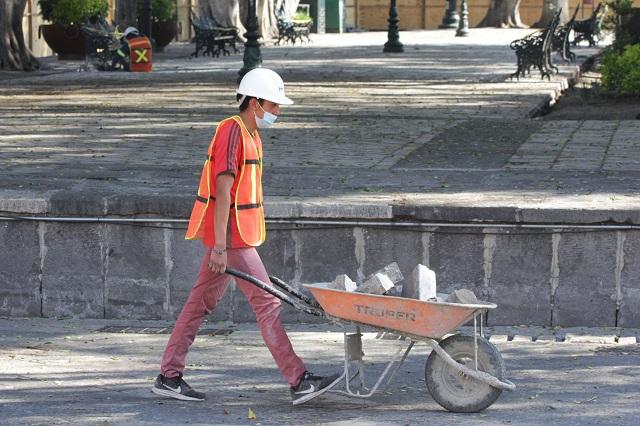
x=560 y=41
x=290 y=30
x=99 y=42
x=535 y=50
x=590 y=29
x=212 y=38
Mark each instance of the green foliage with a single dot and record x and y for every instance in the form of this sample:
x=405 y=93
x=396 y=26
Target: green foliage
x=621 y=71
x=301 y=15
x=70 y=11
x=162 y=10
x=621 y=12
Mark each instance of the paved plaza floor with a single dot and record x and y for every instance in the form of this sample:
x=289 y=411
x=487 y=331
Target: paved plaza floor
x=441 y=124
x=88 y=372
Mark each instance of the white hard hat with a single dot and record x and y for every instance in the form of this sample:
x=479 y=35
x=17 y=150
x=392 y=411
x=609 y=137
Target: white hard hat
x=263 y=83
x=131 y=30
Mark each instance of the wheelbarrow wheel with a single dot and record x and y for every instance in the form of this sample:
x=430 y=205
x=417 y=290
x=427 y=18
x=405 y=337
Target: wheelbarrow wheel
x=454 y=390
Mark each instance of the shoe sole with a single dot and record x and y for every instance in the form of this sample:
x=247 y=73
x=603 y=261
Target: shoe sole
x=310 y=396
x=174 y=395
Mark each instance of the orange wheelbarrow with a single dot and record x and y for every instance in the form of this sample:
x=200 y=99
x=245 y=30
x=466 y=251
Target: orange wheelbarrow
x=464 y=373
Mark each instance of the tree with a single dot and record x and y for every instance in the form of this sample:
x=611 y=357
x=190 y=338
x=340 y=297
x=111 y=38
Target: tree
x=549 y=9
x=503 y=14
x=233 y=13
x=14 y=53
x=126 y=14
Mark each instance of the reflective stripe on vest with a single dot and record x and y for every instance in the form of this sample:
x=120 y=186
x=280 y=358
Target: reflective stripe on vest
x=247 y=203
x=232 y=206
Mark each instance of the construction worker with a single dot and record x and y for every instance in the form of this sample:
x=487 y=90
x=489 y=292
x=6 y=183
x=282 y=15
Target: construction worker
x=120 y=56
x=229 y=218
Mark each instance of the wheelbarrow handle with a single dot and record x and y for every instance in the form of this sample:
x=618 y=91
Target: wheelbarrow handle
x=298 y=304
x=293 y=291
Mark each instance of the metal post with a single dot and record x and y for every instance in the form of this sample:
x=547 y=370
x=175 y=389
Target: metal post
x=252 y=55
x=393 y=44
x=463 y=25
x=145 y=18
x=451 y=17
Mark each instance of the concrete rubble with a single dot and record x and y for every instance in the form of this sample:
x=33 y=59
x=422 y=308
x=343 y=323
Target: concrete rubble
x=344 y=283
x=421 y=285
x=463 y=296
x=382 y=281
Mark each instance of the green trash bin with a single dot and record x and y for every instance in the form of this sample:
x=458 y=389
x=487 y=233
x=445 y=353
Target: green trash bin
x=334 y=16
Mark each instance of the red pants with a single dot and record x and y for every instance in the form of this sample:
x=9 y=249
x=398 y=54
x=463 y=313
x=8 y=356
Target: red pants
x=207 y=292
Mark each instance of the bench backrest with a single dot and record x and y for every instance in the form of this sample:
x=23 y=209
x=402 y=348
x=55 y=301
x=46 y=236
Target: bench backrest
x=547 y=36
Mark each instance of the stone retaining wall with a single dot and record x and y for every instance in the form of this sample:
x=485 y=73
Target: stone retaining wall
x=101 y=270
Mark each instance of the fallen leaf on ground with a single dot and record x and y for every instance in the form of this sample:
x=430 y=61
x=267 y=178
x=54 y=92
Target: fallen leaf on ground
x=251 y=415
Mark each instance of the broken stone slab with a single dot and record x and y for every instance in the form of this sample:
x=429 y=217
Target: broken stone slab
x=378 y=283
x=463 y=296
x=629 y=340
x=441 y=297
x=344 y=283
x=498 y=338
x=392 y=271
x=421 y=285
x=603 y=340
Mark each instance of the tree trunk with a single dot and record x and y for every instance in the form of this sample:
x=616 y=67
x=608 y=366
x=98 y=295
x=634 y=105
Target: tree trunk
x=126 y=14
x=14 y=53
x=549 y=9
x=233 y=13
x=503 y=14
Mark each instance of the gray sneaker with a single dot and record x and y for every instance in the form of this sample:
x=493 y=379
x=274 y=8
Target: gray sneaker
x=311 y=386
x=177 y=388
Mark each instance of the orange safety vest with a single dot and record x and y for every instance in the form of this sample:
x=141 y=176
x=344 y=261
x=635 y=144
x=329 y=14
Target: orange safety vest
x=139 y=54
x=247 y=204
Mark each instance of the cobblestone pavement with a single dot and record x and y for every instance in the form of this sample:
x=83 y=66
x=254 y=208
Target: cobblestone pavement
x=69 y=372
x=441 y=123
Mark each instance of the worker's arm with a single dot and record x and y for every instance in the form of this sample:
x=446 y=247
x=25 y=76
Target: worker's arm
x=224 y=182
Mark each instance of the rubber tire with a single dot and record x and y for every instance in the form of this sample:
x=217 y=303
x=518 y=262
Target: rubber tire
x=456 y=392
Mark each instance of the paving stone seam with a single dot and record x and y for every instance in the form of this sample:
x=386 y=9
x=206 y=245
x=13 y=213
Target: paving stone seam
x=606 y=151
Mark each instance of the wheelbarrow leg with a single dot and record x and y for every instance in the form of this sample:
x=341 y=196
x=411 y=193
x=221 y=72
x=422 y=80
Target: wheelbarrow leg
x=353 y=353
x=397 y=367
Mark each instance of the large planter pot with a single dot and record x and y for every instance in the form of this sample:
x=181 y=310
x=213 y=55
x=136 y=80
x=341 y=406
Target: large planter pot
x=163 y=33
x=66 y=41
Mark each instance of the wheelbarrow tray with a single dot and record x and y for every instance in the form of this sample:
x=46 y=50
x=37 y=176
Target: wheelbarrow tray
x=411 y=316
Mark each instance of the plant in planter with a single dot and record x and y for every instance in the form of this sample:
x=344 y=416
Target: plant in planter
x=64 y=35
x=164 y=26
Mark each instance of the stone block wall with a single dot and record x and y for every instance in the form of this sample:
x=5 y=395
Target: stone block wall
x=542 y=277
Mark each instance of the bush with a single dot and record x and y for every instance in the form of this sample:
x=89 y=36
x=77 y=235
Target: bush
x=301 y=15
x=622 y=10
x=72 y=11
x=621 y=71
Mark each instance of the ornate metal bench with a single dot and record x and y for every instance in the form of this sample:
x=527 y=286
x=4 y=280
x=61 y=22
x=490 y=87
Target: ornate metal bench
x=590 y=29
x=535 y=50
x=212 y=38
x=99 y=42
x=560 y=41
x=290 y=30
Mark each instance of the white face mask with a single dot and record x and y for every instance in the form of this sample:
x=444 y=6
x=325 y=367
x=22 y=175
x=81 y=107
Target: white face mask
x=267 y=119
